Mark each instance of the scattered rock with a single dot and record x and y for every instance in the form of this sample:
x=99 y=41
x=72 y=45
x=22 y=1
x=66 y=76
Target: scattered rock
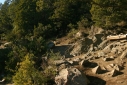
x=87 y=63
x=124 y=54
x=111 y=67
x=101 y=54
x=108 y=48
x=114 y=51
x=70 y=76
x=59 y=62
x=81 y=46
x=97 y=70
x=103 y=44
x=113 y=73
x=79 y=34
x=62 y=66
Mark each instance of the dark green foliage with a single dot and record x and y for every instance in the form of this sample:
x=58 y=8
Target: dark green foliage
x=108 y=13
x=70 y=11
x=5 y=21
x=45 y=31
x=3 y=58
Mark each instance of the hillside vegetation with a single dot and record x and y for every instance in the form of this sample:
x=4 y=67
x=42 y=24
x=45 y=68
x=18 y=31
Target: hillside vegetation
x=28 y=26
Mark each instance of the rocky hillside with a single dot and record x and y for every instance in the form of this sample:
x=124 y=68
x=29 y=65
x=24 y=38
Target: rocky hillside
x=91 y=59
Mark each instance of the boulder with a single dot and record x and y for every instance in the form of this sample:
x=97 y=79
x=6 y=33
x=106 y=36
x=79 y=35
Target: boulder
x=86 y=63
x=97 y=70
x=51 y=45
x=111 y=67
x=70 y=76
x=81 y=46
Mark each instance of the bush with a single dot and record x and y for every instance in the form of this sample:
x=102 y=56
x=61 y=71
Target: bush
x=27 y=74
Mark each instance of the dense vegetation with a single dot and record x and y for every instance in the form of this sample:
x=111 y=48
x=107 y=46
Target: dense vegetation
x=30 y=24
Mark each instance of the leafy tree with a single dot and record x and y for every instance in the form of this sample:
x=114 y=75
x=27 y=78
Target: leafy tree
x=108 y=13
x=27 y=74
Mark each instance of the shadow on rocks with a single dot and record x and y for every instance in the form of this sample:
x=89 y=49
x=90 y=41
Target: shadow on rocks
x=95 y=81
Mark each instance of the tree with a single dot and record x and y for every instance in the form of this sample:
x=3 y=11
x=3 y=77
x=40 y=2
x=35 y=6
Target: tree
x=27 y=74
x=70 y=12
x=25 y=17
x=108 y=13
x=5 y=21
x=45 y=9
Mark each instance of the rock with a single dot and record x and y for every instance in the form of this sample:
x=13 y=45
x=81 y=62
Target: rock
x=79 y=34
x=113 y=73
x=101 y=54
x=62 y=66
x=70 y=76
x=51 y=45
x=103 y=44
x=59 y=62
x=75 y=61
x=98 y=39
x=117 y=67
x=111 y=67
x=86 y=63
x=114 y=51
x=108 y=48
x=124 y=54
x=97 y=70
x=82 y=46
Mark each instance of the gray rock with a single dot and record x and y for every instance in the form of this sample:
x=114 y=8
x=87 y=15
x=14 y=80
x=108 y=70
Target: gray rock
x=51 y=45
x=70 y=76
x=81 y=46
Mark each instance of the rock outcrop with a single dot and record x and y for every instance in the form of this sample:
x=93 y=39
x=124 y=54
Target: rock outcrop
x=70 y=76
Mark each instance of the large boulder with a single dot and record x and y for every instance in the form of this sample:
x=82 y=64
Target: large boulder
x=70 y=76
x=81 y=46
